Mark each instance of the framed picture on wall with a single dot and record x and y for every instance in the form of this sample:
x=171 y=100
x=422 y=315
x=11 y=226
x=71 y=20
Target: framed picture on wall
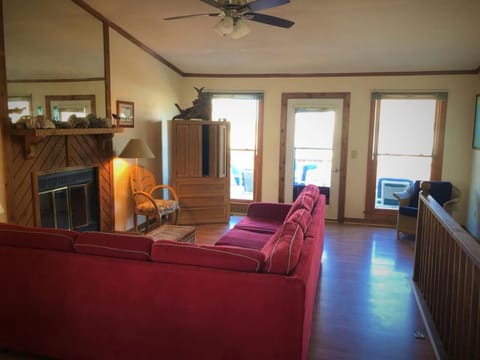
x=476 y=126
x=125 y=113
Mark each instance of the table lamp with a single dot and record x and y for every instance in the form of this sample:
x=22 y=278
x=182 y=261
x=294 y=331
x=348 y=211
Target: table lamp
x=135 y=149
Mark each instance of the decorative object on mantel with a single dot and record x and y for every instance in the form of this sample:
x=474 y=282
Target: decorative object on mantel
x=201 y=108
x=34 y=122
x=41 y=122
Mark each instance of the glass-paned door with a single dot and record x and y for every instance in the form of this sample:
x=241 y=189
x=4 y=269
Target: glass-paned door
x=313 y=149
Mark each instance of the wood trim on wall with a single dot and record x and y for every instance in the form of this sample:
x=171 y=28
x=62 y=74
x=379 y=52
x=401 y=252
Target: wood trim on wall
x=106 y=70
x=345 y=74
x=439 y=141
x=259 y=153
x=4 y=120
x=344 y=142
x=27 y=81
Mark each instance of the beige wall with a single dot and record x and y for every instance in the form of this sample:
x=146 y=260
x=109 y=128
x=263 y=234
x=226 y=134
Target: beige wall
x=457 y=155
x=154 y=89
x=473 y=223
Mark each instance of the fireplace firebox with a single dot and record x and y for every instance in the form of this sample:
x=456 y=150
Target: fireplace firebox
x=68 y=199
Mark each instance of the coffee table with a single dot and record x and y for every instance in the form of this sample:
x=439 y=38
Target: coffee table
x=173 y=232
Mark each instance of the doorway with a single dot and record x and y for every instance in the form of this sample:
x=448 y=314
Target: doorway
x=313 y=147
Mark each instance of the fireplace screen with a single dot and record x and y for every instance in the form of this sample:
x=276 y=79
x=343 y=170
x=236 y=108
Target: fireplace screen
x=69 y=200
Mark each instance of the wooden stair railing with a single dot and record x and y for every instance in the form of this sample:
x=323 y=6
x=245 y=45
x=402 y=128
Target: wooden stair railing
x=446 y=281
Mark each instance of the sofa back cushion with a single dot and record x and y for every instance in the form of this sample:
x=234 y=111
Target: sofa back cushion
x=283 y=250
x=114 y=245
x=313 y=191
x=37 y=237
x=303 y=217
x=305 y=200
x=220 y=257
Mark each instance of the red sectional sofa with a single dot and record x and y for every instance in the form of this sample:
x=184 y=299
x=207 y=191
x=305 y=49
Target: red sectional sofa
x=94 y=295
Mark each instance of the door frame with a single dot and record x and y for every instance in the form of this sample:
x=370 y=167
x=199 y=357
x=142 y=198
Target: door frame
x=345 y=96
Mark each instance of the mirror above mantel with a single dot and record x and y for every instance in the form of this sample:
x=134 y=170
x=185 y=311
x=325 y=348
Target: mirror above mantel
x=53 y=48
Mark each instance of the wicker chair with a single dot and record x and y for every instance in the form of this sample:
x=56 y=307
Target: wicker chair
x=150 y=199
x=443 y=192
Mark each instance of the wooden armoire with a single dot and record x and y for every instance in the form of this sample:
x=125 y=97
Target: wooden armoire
x=201 y=170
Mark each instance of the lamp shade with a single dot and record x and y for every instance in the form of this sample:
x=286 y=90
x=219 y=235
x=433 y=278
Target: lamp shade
x=1 y=210
x=225 y=26
x=240 y=29
x=136 y=148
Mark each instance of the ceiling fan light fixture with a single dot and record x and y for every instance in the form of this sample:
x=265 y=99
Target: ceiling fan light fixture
x=240 y=29
x=225 y=26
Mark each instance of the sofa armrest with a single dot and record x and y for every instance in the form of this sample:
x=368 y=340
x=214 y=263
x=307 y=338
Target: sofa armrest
x=276 y=211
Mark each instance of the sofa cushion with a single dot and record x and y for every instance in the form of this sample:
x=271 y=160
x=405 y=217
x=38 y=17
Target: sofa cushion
x=258 y=224
x=245 y=239
x=114 y=245
x=221 y=257
x=301 y=217
x=313 y=191
x=37 y=237
x=283 y=250
x=303 y=201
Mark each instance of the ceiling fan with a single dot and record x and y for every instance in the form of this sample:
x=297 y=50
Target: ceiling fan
x=234 y=12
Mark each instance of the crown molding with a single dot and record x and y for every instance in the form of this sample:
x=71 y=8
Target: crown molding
x=347 y=74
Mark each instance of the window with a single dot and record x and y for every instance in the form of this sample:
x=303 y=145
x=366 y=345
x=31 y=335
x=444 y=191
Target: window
x=406 y=142
x=313 y=146
x=243 y=113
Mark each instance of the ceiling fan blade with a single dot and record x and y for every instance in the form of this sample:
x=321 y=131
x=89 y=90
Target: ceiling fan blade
x=212 y=3
x=258 y=5
x=189 y=16
x=269 y=20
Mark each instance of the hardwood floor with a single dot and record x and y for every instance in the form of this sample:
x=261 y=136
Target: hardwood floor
x=365 y=307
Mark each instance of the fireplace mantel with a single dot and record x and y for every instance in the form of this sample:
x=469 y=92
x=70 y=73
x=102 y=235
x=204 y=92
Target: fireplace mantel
x=34 y=136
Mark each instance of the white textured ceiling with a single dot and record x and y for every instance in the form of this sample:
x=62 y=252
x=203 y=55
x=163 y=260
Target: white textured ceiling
x=329 y=36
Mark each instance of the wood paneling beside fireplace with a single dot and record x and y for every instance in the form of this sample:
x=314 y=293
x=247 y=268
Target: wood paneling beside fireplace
x=55 y=153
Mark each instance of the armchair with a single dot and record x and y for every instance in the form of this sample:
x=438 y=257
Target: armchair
x=151 y=199
x=443 y=192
